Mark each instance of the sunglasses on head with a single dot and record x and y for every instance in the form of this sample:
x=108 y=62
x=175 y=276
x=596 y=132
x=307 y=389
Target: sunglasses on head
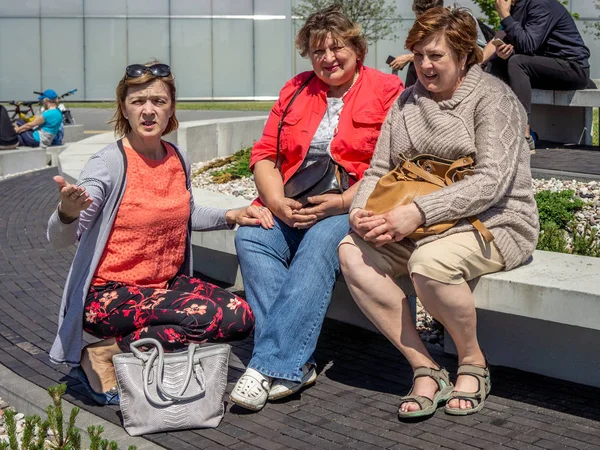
x=138 y=70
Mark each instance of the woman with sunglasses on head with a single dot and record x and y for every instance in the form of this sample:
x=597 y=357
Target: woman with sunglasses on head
x=132 y=212
x=331 y=114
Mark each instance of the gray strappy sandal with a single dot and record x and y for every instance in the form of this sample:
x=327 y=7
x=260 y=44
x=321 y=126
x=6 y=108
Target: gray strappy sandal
x=428 y=406
x=477 y=399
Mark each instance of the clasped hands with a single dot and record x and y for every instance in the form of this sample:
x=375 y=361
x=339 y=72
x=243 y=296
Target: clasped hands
x=294 y=215
x=392 y=226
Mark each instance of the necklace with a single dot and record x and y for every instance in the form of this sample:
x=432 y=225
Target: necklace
x=353 y=82
x=348 y=90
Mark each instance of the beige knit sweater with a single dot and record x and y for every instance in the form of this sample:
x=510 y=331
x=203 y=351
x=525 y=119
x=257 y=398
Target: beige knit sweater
x=483 y=119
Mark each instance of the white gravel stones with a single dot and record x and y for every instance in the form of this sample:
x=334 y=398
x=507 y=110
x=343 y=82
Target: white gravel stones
x=20 y=425
x=243 y=187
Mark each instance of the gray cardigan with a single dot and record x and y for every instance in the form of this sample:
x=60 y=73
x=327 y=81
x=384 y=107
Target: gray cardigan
x=103 y=177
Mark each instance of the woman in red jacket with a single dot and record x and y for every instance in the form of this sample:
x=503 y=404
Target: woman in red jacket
x=334 y=114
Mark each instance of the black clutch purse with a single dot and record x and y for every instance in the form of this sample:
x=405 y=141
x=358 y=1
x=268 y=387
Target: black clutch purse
x=321 y=177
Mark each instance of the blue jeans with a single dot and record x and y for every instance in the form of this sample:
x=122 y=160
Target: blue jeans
x=289 y=275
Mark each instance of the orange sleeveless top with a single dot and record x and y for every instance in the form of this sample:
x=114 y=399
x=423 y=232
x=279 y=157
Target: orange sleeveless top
x=146 y=246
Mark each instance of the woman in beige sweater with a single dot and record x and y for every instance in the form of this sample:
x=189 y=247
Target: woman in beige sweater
x=454 y=110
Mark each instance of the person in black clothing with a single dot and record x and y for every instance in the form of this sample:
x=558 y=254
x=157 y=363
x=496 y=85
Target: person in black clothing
x=8 y=136
x=542 y=49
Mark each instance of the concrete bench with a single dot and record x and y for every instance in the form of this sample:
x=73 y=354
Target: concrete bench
x=52 y=154
x=564 y=116
x=543 y=317
x=22 y=159
x=73 y=133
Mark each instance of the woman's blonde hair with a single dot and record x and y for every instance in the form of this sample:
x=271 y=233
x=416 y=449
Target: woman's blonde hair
x=121 y=124
x=330 y=20
x=458 y=27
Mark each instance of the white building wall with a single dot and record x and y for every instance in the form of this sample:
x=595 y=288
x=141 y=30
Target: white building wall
x=219 y=49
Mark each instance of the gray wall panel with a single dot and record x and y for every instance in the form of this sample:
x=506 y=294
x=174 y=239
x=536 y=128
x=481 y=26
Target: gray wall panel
x=105 y=56
x=191 y=55
x=61 y=8
x=147 y=40
x=22 y=8
x=233 y=62
x=20 y=70
x=62 y=56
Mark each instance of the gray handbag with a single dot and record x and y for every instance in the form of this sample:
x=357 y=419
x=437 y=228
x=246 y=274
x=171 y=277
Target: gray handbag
x=171 y=391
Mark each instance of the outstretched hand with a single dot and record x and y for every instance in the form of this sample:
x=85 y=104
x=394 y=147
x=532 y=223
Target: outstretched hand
x=73 y=200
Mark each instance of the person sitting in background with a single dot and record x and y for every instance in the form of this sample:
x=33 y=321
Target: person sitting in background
x=419 y=7
x=41 y=130
x=132 y=212
x=542 y=49
x=454 y=110
x=8 y=136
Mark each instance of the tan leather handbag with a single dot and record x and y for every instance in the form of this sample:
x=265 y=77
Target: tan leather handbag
x=419 y=176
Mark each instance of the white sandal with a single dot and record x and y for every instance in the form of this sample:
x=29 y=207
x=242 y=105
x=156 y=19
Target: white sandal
x=283 y=388
x=251 y=390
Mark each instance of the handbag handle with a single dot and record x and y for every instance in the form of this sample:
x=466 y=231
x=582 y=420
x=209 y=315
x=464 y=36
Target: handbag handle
x=280 y=125
x=148 y=361
x=456 y=165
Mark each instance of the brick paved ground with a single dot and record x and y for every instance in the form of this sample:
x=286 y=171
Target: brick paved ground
x=353 y=405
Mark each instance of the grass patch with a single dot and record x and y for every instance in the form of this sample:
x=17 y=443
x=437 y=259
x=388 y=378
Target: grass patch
x=194 y=106
x=239 y=167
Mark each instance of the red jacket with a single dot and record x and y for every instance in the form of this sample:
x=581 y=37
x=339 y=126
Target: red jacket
x=365 y=108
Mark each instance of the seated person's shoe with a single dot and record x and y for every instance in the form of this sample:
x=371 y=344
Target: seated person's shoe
x=283 y=388
x=427 y=406
x=251 y=391
x=477 y=399
x=110 y=397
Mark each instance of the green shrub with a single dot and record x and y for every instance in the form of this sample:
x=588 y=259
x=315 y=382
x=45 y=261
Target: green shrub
x=240 y=167
x=557 y=221
x=586 y=243
x=69 y=439
x=552 y=239
x=557 y=208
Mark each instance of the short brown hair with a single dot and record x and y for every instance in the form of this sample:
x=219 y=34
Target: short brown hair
x=457 y=25
x=420 y=6
x=330 y=20
x=121 y=124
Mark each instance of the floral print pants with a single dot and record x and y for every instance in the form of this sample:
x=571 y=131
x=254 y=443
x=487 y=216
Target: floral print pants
x=189 y=310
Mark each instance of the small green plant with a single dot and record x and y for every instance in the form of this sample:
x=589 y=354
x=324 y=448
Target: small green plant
x=552 y=239
x=557 y=207
x=586 y=243
x=557 y=221
x=240 y=168
x=35 y=430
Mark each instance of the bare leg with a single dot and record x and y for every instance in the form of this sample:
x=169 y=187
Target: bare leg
x=454 y=306
x=384 y=303
x=96 y=362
